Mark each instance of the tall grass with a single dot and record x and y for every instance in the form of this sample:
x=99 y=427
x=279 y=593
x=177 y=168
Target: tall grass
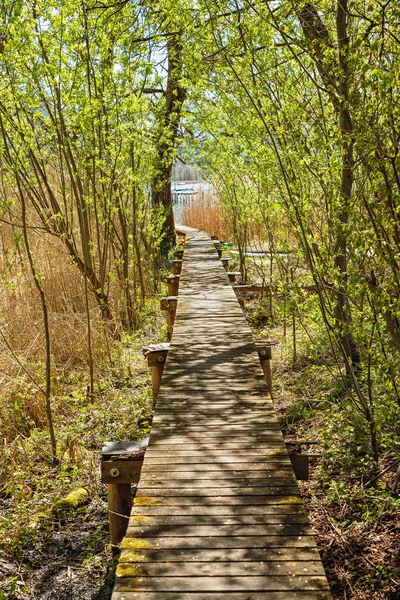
x=22 y=341
x=208 y=214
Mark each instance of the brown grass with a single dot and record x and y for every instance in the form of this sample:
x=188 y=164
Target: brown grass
x=22 y=341
x=208 y=214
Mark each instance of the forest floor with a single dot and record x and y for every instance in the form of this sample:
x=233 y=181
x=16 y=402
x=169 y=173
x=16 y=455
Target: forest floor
x=356 y=524
x=45 y=556
x=355 y=517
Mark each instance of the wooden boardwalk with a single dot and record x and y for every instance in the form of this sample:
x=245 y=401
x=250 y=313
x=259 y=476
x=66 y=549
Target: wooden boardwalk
x=217 y=514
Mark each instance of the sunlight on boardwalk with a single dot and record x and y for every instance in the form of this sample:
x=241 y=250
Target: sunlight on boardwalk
x=217 y=513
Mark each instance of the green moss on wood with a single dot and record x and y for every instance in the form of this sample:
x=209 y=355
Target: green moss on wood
x=72 y=500
x=131 y=543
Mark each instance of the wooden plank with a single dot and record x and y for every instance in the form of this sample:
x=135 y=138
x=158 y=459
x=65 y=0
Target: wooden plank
x=227 y=584
x=208 y=555
x=205 y=469
x=199 y=595
x=238 y=482
x=259 y=541
x=219 y=492
x=217 y=455
x=207 y=500
x=175 y=438
x=221 y=446
x=221 y=569
x=270 y=455
x=234 y=510
x=217 y=475
x=218 y=530
x=120 y=471
x=212 y=519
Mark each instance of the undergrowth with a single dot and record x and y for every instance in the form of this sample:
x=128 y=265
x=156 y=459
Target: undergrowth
x=352 y=506
x=30 y=482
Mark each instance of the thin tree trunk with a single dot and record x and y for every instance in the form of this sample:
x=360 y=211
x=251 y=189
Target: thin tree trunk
x=36 y=279
x=174 y=98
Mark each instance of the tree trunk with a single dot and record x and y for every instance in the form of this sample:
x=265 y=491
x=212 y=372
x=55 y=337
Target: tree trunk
x=337 y=86
x=174 y=98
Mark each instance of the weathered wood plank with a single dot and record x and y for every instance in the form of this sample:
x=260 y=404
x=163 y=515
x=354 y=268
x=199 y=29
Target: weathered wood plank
x=204 y=468
x=274 y=477
x=227 y=584
x=276 y=508
x=247 y=595
x=270 y=455
x=217 y=514
x=207 y=500
x=218 y=530
x=221 y=569
x=216 y=492
x=208 y=555
x=168 y=520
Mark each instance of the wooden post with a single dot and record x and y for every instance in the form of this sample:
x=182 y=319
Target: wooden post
x=156 y=355
x=219 y=252
x=265 y=355
x=241 y=303
x=119 y=510
x=178 y=254
x=169 y=304
x=301 y=466
x=225 y=263
x=121 y=463
x=232 y=275
x=300 y=462
x=176 y=267
x=215 y=244
x=173 y=284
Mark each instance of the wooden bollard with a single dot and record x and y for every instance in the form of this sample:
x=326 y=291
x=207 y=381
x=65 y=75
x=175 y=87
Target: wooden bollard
x=214 y=237
x=173 y=284
x=178 y=254
x=225 y=263
x=156 y=355
x=300 y=462
x=121 y=463
x=219 y=251
x=176 y=267
x=169 y=304
x=265 y=355
x=232 y=275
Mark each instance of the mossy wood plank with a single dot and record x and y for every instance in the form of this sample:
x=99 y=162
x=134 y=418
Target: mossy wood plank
x=221 y=569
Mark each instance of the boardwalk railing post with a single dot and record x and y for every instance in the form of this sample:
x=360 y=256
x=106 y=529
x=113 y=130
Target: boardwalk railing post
x=119 y=510
x=232 y=275
x=121 y=463
x=265 y=355
x=217 y=246
x=225 y=263
x=169 y=304
x=156 y=355
x=173 y=284
x=176 y=267
x=178 y=254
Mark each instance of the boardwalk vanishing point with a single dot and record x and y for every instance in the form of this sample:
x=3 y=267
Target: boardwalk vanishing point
x=217 y=513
